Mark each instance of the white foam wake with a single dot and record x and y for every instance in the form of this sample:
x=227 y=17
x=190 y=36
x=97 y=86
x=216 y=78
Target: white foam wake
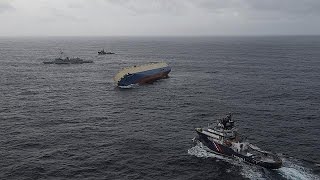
x=129 y=86
x=291 y=170
x=202 y=151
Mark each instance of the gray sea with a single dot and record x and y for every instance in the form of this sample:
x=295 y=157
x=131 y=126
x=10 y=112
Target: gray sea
x=71 y=122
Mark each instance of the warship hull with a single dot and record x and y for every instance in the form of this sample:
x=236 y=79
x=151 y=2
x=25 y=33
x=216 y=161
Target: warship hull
x=54 y=62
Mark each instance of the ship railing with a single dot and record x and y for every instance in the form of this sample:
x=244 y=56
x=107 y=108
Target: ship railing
x=230 y=134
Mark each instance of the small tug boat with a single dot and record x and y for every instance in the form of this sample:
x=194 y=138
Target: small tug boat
x=223 y=139
x=103 y=52
x=142 y=74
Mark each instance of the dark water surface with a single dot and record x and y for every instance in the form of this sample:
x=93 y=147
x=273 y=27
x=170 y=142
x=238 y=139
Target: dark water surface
x=70 y=122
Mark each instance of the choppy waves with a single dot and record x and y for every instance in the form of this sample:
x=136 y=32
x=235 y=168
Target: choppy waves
x=293 y=169
x=64 y=122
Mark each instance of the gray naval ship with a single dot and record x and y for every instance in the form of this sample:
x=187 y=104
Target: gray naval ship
x=103 y=52
x=67 y=60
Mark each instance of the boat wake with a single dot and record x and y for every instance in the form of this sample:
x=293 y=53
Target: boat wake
x=293 y=170
x=202 y=151
x=129 y=86
x=290 y=169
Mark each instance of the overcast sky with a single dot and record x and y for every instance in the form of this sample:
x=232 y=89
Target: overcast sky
x=158 y=17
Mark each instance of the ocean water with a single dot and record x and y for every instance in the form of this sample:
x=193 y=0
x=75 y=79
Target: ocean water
x=71 y=122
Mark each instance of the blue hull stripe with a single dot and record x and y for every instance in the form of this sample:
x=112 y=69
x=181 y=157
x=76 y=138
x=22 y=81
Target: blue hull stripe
x=136 y=77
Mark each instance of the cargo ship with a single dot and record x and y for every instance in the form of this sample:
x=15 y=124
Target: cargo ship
x=223 y=139
x=142 y=74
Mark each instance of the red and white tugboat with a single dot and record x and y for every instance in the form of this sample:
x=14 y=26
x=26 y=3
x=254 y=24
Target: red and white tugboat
x=223 y=139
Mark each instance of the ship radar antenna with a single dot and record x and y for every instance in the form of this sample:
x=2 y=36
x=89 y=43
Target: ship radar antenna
x=61 y=53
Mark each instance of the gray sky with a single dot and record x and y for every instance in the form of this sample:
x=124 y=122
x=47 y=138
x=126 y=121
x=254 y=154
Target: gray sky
x=158 y=17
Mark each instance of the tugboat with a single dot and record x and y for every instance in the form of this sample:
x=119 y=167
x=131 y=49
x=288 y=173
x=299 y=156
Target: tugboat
x=223 y=139
x=103 y=52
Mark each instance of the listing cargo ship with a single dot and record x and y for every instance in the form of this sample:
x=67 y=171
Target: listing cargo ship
x=142 y=74
x=223 y=139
